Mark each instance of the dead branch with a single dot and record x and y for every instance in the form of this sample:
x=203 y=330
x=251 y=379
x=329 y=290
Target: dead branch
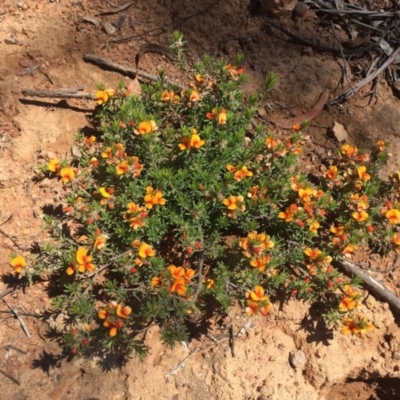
x=61 y=93
x=371 y=284
x=14 y=311
x=122 y=69
x=350 y=92
x=117 y=10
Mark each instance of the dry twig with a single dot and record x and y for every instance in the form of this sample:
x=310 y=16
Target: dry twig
x=14 y=311
x=371 y=284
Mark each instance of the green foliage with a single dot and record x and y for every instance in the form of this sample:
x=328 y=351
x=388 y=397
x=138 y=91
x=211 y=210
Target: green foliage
x=182 y=202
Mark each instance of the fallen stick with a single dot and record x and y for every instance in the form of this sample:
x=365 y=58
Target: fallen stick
x=131 y=72
x=61 y=93
x=371 y=284
x=14 y=311
x=352 y=91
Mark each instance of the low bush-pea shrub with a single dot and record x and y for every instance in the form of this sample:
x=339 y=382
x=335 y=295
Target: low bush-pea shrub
x=183 y=202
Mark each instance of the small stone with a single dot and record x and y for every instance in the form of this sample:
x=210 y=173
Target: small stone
x=109 y=28
x=385 y=345
x=36 y=214
x=297 y=358
x=261 y=112
x=385 y=306
x=26 y=231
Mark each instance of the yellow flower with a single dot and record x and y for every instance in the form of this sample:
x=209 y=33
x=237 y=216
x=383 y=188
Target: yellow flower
x=363 y=174
x=232 y=202
x=147 y=127
x=193 y=141
x=122 y=168
x=145 y=250
x=314 y=226
x=53 y=165
x=360 y=216
x=67 y=174
x=393 y=216
x=312 y=254
x=101 y=96
x=331 y=173
x=18 y=263
x=84 y=260
x=100 y=242
x=194 y=96
x=106 y=193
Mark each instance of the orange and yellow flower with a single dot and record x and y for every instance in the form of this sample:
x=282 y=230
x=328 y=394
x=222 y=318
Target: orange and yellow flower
x=360 y=216
x=146 y=127
x=145 y=250
x=331 y=173
x=393 y=216
x=312 y=254
x=153 y=198
x=53 y=165
x=358 y=326
x=18 y=263
x=67 y=174
x=362 y=173
x=194 y=141
x=239 y=173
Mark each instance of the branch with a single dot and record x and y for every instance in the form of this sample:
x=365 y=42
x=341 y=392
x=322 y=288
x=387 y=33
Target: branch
x=371 y=284
x=61 y=93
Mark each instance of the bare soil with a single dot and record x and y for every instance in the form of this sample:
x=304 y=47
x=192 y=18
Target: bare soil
x=54 y=36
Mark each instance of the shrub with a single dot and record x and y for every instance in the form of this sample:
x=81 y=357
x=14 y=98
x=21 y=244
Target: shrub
x=183 y=203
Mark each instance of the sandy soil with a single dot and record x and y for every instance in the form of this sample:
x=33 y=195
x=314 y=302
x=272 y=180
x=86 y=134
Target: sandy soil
x=54 y=36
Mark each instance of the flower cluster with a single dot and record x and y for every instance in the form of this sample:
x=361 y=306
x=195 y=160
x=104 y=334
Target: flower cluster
x=114 y=316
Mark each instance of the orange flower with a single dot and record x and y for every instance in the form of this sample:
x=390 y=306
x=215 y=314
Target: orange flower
x=122 y=168
x=396 y=239
x=356 y=326
x=100 y=242
x=176 y=272
x=145 y=250
x=136 y=223
x=331 y=173
x=239 y=174
x=123 y=311
x=289 y=213
x=146 y=127
x=107 y=153
x=18 y=263
x=189 y=274
x=393 y=216
x=296 y=127
x=193 y=141
x=350 y=248
x=233 y=71
x=84 y=261
x=312 y=254
x=271 y=142
x=153 y=198
x=255 y=308
x=305 y=194
x=101 y=96
x=360 y=216
x=53 y=165
x=194 y=96
x=260 y=263
x=233 y=202
x=106 y=192
x=222 y=117
x=337 y=231
x=257 y=294
x=179 y=287
x=349 y=150
x=94 y=162
x=363 y=174
x=156 y=281
x=67 y=174
x=314 y=226
x=381 y=145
